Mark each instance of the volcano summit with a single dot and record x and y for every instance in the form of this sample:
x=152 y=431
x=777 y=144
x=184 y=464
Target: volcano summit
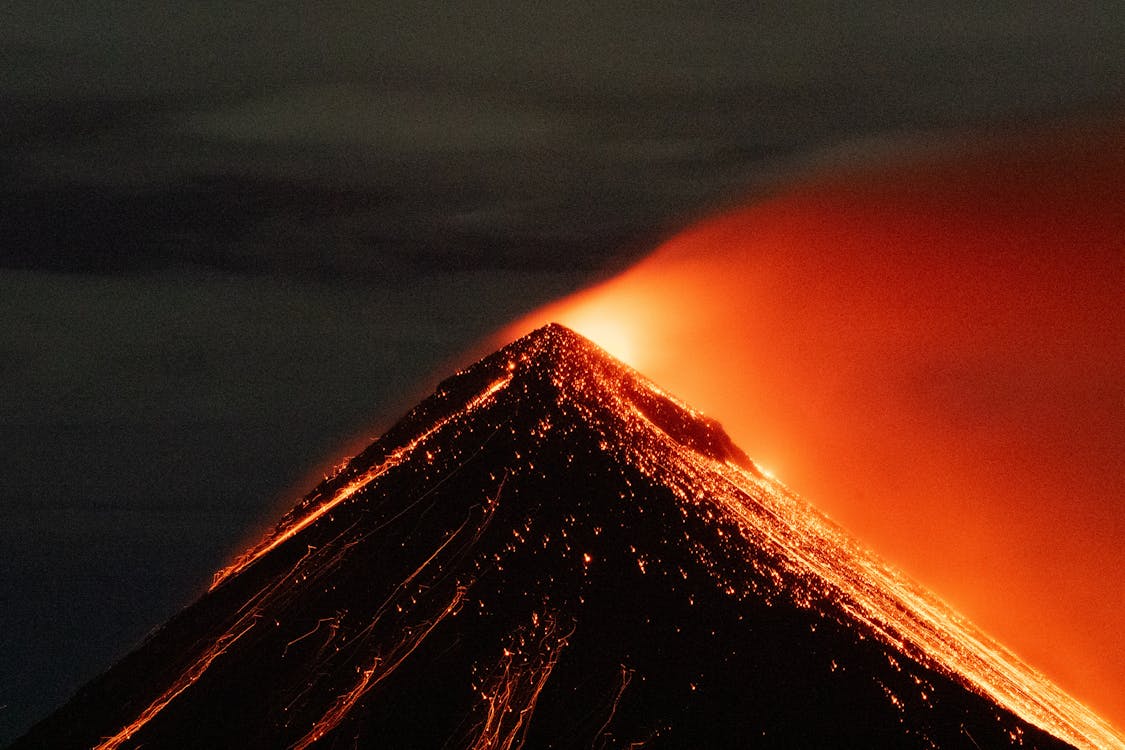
x=550 y=551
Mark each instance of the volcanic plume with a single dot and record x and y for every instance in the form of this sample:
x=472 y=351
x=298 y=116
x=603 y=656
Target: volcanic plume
x=932 y=347
x=550 y=551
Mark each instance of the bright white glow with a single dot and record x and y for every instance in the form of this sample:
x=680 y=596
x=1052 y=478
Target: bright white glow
x=614 y=334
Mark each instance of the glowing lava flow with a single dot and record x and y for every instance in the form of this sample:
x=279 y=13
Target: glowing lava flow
x=901 y=613
x=516 y=684
x=251 y=611
x=249 y=616
x=290 y=529
x=931 y=347
x=380 y=669
x=193 y=673
x=514 y=574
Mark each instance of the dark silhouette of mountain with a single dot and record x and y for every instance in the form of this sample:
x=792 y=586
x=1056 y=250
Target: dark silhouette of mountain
x=551 y=552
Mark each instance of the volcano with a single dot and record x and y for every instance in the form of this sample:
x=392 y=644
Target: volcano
x=550 y=551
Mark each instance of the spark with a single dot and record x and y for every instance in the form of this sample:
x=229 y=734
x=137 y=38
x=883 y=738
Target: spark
x=335 y=624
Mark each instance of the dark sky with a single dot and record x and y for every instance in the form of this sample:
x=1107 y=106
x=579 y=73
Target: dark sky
x=238 y=237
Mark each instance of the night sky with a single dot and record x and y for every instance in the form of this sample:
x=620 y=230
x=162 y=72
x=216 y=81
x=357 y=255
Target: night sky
x=238 y=240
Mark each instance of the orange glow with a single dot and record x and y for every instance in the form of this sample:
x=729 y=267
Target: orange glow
x=793 y=555
x=816 y=560
x=186 y=680
x=933 y=354
x=293 y=524
x=380 y=669
x=516 y=683
x=250 y=614
x=601 y=736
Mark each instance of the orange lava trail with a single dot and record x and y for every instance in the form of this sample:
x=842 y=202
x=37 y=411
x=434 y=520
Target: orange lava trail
x=489 y=510
x=380 y=669
x=377 y=672
x=394 y=458
x=256 y=552
x=249 y=614
x=515 y=690
x=903 y=614
x=335 y=624
x=186 y=680
x=600 y=735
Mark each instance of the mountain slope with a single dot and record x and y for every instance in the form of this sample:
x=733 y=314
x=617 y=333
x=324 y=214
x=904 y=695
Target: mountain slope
x=552 y=552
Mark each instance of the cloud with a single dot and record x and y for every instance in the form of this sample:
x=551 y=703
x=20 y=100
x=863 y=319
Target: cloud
x=398 y=122
x=580 y=134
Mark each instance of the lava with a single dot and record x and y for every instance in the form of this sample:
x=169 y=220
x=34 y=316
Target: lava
x=551 y=549
x=291 y=527
x=516 y=684
x=248 y=618
x=188 y=678
x=603 y=731
x=932 y=351
x=893 y=606
x=380 y=669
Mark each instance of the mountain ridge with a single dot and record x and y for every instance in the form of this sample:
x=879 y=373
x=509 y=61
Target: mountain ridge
x=550 y=550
